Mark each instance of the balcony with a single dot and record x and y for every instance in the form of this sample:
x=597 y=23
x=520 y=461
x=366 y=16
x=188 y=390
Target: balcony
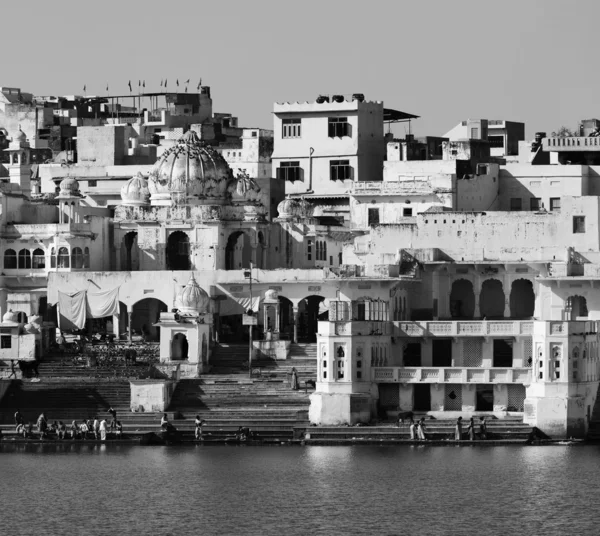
x=450 y=375
x=358 y=328
x=571 y=144
x=463 y=328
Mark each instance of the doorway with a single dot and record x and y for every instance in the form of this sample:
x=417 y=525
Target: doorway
x=484 y=400
x=421 y=397
x=442 y=353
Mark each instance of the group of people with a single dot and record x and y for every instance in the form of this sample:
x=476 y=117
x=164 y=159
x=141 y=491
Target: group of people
x=471 y=429
x=417 y=429
x=96 y=428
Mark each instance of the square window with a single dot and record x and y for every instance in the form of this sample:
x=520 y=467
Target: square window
x=5 y=341
x=407 y=211
x=358 y=374
x=92 y=183
x=579 y=224
x=516 y=203
x=373 y=216
x=340 y=170
x=535 y=203
x=290 y=128
x=338 y=127
x=289 y=171
x=555 y=203
x=474 y=133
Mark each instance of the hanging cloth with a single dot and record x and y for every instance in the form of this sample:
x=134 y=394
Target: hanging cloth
x=102 y=304
x=72 y=310
x=236 y=305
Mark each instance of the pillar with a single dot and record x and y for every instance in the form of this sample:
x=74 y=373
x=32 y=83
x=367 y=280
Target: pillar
x=469 y=397
x=296 y=323
x=129 y=326
x=506 y=289
x=437 y=396
x=115 y=319
x=500 y=397
x=406 y=402
x=477 y=293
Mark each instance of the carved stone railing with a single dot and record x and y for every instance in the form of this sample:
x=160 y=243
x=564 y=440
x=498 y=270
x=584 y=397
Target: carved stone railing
x=463 y=328
x=451 y=375
x=571 y=143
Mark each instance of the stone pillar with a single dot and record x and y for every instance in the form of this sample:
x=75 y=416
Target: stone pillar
x=469 y=398
x=129 y=326
x=438 y=392
x=406 y=402
x=116 y=326
x=457 y=349
x=435 y=291
x=426 y=352
x=296 y=323
x=118 y=258
x=500 y=397
x=477 y=293
x=506 y=289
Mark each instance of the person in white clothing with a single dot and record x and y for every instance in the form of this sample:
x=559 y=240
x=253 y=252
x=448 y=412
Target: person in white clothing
x=103 y=426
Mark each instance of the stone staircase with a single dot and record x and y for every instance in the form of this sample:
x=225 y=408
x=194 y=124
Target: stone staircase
x=63 y=399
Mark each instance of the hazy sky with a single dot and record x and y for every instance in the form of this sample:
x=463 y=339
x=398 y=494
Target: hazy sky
x=524 y=60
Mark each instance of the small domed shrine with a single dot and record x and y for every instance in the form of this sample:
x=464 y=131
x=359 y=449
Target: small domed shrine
x=193 y=300
x=135 y=191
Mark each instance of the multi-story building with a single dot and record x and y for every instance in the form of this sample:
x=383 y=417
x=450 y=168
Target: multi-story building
x=441 y=293
x=502 y=136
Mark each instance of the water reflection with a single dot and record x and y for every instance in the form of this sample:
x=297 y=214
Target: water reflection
x=289 y=490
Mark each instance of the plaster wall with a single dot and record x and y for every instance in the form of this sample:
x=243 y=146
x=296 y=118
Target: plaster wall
x=150 y=395
x=524 y=181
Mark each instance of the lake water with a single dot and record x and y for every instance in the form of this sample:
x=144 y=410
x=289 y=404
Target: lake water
x=299 y=490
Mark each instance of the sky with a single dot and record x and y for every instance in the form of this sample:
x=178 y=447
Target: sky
x=533 y=61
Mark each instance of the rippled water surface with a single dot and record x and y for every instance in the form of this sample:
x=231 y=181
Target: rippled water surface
x=299 y=490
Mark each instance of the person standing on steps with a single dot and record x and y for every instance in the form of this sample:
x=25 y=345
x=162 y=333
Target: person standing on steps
x=42 y=425
x=103 y=427
x=483 y=428
x=421 y=430
x=198 y=422
x=113 y=414
x=294 y=380
x=471 y=429
x=458 y=429
x=412 y=428
x=19 y=418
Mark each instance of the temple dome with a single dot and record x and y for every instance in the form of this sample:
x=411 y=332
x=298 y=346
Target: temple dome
x=191 y=171
x=193 y=299
x=244 y=189
x=69 y=187
x=9 y=316
x=135 y=191
x=293 y=208
x=271 y=296
x=20 y=136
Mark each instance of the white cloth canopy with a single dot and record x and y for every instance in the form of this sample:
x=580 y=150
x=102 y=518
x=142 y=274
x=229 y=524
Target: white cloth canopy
x=72 y=310
x=235 y=305
x=101 y=304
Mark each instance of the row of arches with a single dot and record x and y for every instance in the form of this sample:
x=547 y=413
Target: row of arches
x=238 y=251
x=78 y=258
x=492 y=299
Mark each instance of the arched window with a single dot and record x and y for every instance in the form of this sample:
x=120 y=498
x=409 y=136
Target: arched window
x=10 y=259
x=63 y=258
x=53 y=258
x=86 y=258
x=77 y=258
x=39 y=259
x=24 y=258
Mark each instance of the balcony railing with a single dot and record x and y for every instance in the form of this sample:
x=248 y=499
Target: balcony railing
x=463 y=328
x=451 y=375
x=571 y=143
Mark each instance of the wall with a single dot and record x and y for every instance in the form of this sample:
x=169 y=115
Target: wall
x=102 y=146
x=482 y=236
x=524 y=181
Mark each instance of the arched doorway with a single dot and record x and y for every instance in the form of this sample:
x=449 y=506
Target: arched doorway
x=462 y=299
x=130 y=252
x=238 y=252
x=144 y=314
x=179 y=347
x=491 y=299
x=286 y=318
x=577 y=307
x=522 y=299
x=310 y=310
x=178 y=251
